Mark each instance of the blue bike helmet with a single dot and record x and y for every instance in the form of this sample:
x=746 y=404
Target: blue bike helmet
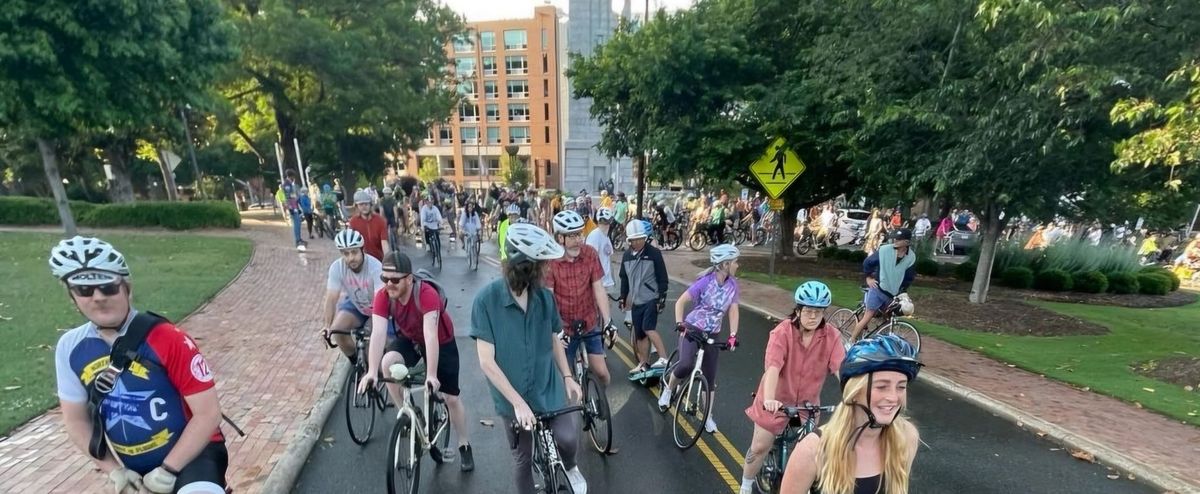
x=885 y=352
x=813 y=294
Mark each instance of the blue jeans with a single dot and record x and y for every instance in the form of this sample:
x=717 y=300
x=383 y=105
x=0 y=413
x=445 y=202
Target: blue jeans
x=296 y=218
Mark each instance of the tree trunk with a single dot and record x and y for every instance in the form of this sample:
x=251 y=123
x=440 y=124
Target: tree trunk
x=992 y=226
x=168 y=176
x=287 y=133
x=50 y=163
x=787 y=228
x=640 y=163
x=349 y=183
x=118 y=154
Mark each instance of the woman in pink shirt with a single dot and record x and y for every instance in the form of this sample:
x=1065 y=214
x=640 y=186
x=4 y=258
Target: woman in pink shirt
x=800 y=352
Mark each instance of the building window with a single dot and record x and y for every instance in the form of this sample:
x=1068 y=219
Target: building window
x=547 y=168
x=464 y=66
x=493 y=135
x=429 y=137
x=518 y=89
x=446 y=136
x=490 y=90
x=545 y=40
x=467 y=89
x=547 y=134
x=515 y=39
x=489 y=66
x=518 y=112
x=546 y=110
x=516 y=65
x=448 y=167
x=463 y=44
x=518 y=135
x=493 y=166
x=471 y=166
x=468 y=113
x=487 y=41
x=545 y=88
x=545 y=64
x=470 y=135
x=493 y=112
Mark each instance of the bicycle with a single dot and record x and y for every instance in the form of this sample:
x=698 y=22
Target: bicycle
x=472 y=245
x=845 y=320
x=769 y=476
x=595 y=402
x=433 y=239
x=408 y=442
x=695 y=402
x=362 y=406
x=549 y=472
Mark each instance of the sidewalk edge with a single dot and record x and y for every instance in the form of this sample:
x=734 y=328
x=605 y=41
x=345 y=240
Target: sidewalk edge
x=1104 y=454
x=287 y=469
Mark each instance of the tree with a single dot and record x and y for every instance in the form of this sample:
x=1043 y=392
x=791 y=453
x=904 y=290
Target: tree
x=69 y=69
x=429 y=171
x=1171 y=135
x=514 y=171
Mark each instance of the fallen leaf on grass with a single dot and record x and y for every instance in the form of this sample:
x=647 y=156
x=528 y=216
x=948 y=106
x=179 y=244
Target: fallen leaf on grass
x=1011 y=365
x=1083 y=455
x=1148 y=389
x=1137 y=404
x=11 y=388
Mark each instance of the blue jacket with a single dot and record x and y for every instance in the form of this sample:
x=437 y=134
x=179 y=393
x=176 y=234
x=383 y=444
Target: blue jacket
x=305 y=204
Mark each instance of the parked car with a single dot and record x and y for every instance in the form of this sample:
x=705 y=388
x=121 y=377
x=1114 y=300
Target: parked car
x=852 y=221
x=964 y=241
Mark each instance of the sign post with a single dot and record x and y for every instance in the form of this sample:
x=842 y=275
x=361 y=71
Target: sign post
x=777 y=169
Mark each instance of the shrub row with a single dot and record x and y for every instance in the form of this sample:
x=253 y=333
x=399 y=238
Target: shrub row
x=30 y=211
x=1150 y=281
x=857 y=256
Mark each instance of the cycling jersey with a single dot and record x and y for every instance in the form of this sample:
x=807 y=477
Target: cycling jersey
x=711 y=300
x=145 y=414
x=359 y=288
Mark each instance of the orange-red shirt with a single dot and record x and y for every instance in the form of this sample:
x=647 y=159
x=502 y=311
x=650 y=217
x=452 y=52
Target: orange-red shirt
x=802 y=370
x=374 y=232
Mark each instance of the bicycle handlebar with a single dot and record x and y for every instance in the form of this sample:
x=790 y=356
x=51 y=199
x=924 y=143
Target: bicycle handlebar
x=808 y=408
x=543 y=417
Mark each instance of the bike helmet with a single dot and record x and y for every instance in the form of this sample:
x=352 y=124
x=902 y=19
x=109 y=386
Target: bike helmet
x=722 y=253
x=87 y=261
x=902 y=234
x=906 y=304
x=567 y=222
x=512 y=209
x=526 y=242
x=604 y=214
x=885 y=352
x=636 y=229
x=326 y=187
x=348 y=239
x=362 y=197
x=569 y=203
x=813 y=294
x=387 y=191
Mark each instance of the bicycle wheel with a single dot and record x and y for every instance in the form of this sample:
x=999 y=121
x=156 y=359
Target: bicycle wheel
x=803 y=245
x=844 y=320
x=691 y=412
x=560 y=481
x=904 y=330
x=404 y=459
x=360 y=410
x=767 y=480
x=441 y=415
x=697 y=242
x=673 y=241
x=596 y=414
x=672 y=361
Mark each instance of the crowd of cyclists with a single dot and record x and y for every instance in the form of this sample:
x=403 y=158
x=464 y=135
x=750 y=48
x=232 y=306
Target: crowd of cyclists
x=557 y=279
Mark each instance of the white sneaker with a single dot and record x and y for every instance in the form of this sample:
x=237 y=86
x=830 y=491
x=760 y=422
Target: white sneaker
x=578 y=484
x=664 y=400
x=662 y=362
x=746 y=490
x=710 y=426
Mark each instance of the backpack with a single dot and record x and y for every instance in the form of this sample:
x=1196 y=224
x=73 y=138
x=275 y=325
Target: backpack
x=422 y=277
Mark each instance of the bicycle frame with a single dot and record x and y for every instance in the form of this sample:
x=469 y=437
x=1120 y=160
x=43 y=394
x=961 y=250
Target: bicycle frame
x=423 y=434
x=696 y=371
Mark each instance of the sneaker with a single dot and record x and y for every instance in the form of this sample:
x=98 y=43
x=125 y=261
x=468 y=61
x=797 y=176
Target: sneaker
x=468 y=460
x=637 y=370
x=578 y=484
x=664 y=400
x=661 y=362
x=710 y=426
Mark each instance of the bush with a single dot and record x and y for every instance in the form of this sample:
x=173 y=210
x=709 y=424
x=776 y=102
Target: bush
x=843 y=255
x=965 y=271
x=1017 y=277
x=1153 y=284
x=30 y=211
x=857 y=256
x=172 y=215
x=1165 y=272
x=927 y=267
x=1123 y=283
x=1053 y=280
x=1091 y=282
x=828 y=253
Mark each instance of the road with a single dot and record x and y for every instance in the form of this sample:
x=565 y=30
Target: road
x=965 y=449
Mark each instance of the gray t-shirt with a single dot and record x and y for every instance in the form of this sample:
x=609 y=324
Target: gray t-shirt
x=359 y=288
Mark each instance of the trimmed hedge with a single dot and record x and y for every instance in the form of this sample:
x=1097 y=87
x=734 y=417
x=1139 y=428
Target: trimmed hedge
x=857 y=256
x=927 y=267
x=1165 y=272
x=1091 y=282
x=1053 y=280
x=843 y=255
x=966 y=271
x=828 y=253
x=1153 y=284
x=29 y=211
x=1123 y=283
x=1017 y=277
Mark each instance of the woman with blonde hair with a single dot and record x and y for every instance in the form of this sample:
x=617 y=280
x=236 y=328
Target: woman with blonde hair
x=868 y=446
x=874 y=232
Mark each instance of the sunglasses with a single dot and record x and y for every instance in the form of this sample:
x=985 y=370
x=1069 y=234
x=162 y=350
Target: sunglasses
x=108 y=289
x=393 y=281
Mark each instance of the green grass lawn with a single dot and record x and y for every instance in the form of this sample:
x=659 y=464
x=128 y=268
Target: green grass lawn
x=1102 y=363
x=172 y=275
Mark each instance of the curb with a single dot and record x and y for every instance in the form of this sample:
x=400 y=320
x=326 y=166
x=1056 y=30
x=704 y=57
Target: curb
x=283 y=476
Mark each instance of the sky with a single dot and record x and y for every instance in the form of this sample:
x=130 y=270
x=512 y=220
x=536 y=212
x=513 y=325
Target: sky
x=486 y=10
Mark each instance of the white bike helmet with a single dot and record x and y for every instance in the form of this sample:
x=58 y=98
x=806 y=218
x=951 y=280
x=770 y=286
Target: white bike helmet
x=526 y=242
x=722 y=253
x=567 y=222
x=348 y=239
x=87 y=261
x=513 y=209
x=362 y=197
x=604 y=214
x=906 y=304
x=636 y=229
x=387 y=191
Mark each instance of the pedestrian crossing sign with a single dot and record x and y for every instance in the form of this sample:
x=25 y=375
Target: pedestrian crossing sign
x=778 y=168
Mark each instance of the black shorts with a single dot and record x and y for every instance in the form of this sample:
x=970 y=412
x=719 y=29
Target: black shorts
x=209 y=466
x=447 y=371
x=645 y=318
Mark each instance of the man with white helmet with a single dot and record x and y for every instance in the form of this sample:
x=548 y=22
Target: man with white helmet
x=516 y=323
x=600 y=240
x=644 y=292
x=577 y=281
x=354 y=279
x=154 y=428
x=513 y=213
x=371 y=226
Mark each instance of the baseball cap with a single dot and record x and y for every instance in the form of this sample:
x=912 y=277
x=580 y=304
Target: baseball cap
x=398 y=262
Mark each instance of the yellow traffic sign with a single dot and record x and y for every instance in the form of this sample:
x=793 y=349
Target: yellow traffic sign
x=777 y=168
x=775 y=204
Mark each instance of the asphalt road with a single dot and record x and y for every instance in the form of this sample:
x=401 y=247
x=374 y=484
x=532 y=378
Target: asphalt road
x=966 y=449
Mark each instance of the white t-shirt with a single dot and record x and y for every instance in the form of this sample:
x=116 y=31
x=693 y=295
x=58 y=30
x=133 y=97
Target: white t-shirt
x=359 y=288
x=599 y=240
x=431 y=218
x=923 y=226
x=827 y=218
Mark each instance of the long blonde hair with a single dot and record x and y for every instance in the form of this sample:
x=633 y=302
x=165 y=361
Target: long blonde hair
x=835 y=455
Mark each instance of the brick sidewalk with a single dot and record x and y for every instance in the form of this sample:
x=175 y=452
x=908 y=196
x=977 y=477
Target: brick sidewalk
x=260 y=337
x=1142 y=435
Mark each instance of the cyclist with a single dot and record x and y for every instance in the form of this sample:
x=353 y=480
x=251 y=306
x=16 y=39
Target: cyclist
x=867 y=446
x=643 y=293
x=889 y=272
x=329 y=206
x=408 y=326
x=306 y=209
x=715 y=294
x=514 y=215
x=372 y=227
x=600 y=241
x=387 y=206
x=800 y=351
x=469 y=223
x=291 y=191
x=431 y=225
x=154 y=428
x=515 y=323
x=354 y=278
x=577 y=281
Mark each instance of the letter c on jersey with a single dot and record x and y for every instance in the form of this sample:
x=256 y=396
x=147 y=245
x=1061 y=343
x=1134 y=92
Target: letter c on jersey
x=154 y=413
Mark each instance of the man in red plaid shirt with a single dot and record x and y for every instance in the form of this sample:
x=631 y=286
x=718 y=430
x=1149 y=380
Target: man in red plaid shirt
x=577 y=281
